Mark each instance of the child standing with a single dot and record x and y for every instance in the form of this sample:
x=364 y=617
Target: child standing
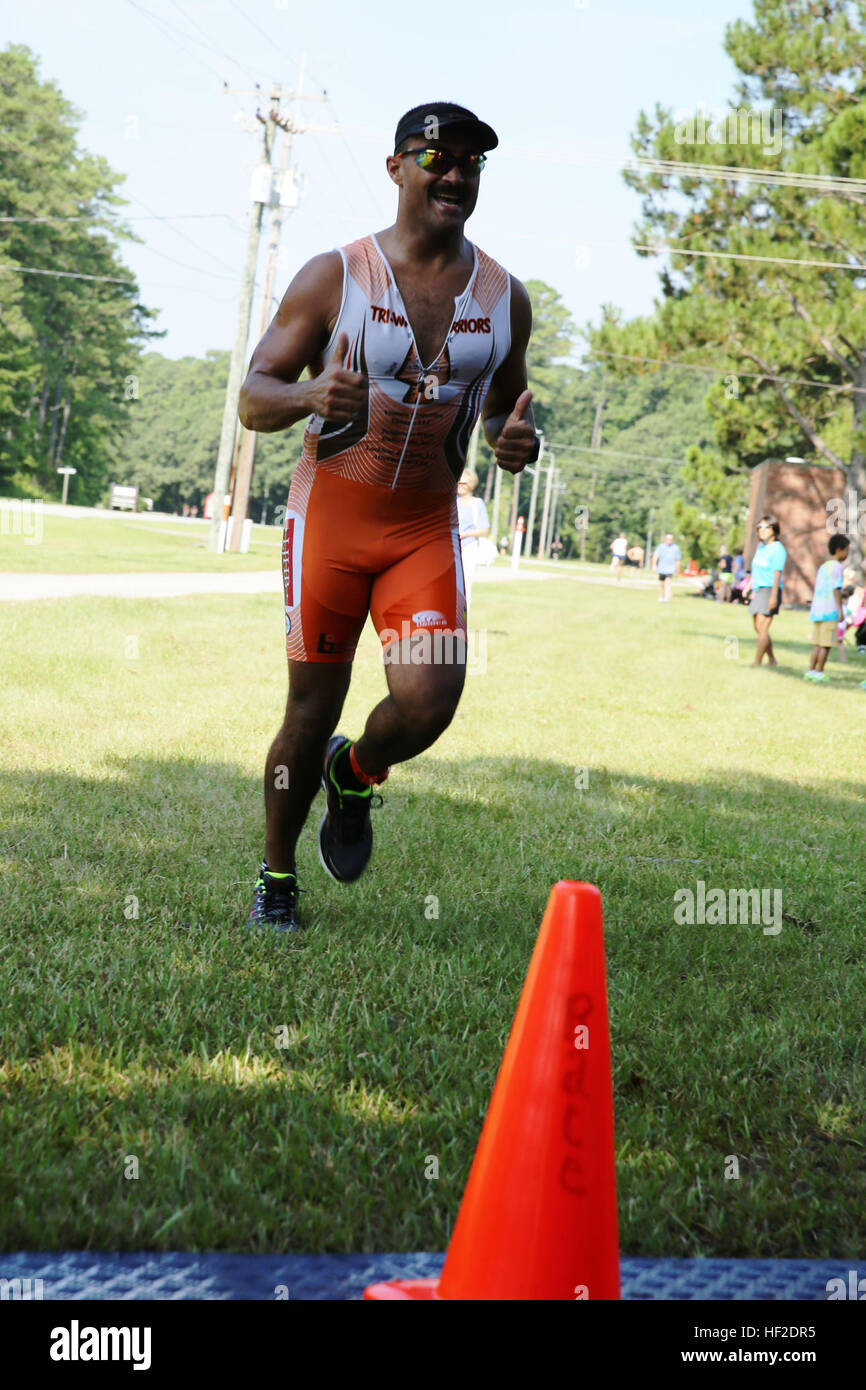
x=826 y=611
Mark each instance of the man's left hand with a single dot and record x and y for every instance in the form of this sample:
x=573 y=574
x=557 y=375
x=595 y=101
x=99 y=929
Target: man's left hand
x=517 y=443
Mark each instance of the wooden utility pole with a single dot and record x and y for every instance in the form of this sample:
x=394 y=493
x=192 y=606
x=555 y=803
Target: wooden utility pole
x=594 y=443
x=585 y=527
x=247 y=457
x=242 y=330
x=515 y=502
x=472 y=451
x=497 y=497
x=595 y=440
x=545 y=512
x=261 y=194
x=557 y=513
x=533 y=496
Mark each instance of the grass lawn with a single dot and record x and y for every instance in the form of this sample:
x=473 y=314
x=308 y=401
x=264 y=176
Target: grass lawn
x=133 y=785
x=125 y=543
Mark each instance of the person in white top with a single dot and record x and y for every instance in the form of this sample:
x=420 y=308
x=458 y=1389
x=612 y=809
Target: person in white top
x=619 y=551
x=474 y=523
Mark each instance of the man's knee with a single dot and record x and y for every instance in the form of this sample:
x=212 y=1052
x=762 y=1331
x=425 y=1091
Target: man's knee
x=313 y=708
x=430 y=715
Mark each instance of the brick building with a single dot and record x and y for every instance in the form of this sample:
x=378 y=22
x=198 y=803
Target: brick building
x=797 y=493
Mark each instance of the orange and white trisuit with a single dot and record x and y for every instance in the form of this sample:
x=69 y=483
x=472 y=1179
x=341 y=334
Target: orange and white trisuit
x=371 y=524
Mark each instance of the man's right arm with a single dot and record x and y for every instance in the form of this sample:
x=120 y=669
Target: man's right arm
x=272 y=398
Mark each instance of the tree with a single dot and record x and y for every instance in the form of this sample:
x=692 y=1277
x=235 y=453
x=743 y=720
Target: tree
x=789 y=338
x=67 y=345
x=171 y=445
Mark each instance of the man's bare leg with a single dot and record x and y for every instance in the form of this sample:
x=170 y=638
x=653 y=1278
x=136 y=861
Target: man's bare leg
x=293 y=769
x=420 y=704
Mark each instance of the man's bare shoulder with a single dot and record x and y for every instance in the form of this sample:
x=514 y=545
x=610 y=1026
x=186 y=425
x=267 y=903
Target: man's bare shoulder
x=520 y=301
x=322 y=276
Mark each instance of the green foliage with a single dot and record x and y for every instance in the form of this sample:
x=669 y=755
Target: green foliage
x=171 y=446
x=785 y=344
x=67 y=346
x=643 y=422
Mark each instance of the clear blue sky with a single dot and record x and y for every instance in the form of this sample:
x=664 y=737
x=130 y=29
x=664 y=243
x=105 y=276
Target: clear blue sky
x=561 y=83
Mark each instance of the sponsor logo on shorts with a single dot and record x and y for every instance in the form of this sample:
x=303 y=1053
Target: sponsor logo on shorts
x=288 y=624
x=329 y=646
x=429 y=617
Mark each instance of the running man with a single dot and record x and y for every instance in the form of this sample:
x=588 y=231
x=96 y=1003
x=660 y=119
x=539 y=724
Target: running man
x=408 y=335
x=619 y=553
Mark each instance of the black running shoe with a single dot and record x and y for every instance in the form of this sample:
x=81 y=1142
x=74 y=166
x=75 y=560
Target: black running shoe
x=345 y=833
x=275 y=902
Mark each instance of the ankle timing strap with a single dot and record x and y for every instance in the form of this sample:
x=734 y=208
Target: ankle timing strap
x=363 y=776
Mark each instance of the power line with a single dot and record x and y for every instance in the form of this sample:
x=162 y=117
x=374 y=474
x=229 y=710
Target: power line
x=278 y=48
x=219 y=52
x=354 y=158
x=842 y=389
x=161 y=23
x=658 y=250
x=663 y=249
x=66 y=274
x=185 y=265
x=325 y=157
x=265 y=35
x=742 y=256
x=185 y=237
x=588 y=449
x=816 y=183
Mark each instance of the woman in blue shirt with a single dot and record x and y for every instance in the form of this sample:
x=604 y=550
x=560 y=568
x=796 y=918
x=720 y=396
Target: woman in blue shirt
x=768 y=563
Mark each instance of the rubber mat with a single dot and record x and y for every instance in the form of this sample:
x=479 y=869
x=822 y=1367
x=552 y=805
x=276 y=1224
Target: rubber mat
x=87 y=1275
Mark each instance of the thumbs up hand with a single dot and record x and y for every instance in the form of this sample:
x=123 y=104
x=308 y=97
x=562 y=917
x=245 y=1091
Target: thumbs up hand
x=517 y=443
x=336 y=394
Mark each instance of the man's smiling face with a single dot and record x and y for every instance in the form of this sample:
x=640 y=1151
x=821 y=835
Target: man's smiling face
x=438 y=201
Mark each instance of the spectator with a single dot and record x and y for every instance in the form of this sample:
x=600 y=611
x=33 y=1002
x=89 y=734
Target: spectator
x=726 y=575
x=827 y=611
x=473 y=523
x=667 y=558
x=768 y=562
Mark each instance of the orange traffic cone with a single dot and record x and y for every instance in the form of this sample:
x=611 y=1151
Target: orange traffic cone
x=538 y=1217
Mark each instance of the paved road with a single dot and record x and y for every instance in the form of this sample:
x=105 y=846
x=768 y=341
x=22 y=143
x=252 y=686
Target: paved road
x=21 y=587
x=17 y=587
